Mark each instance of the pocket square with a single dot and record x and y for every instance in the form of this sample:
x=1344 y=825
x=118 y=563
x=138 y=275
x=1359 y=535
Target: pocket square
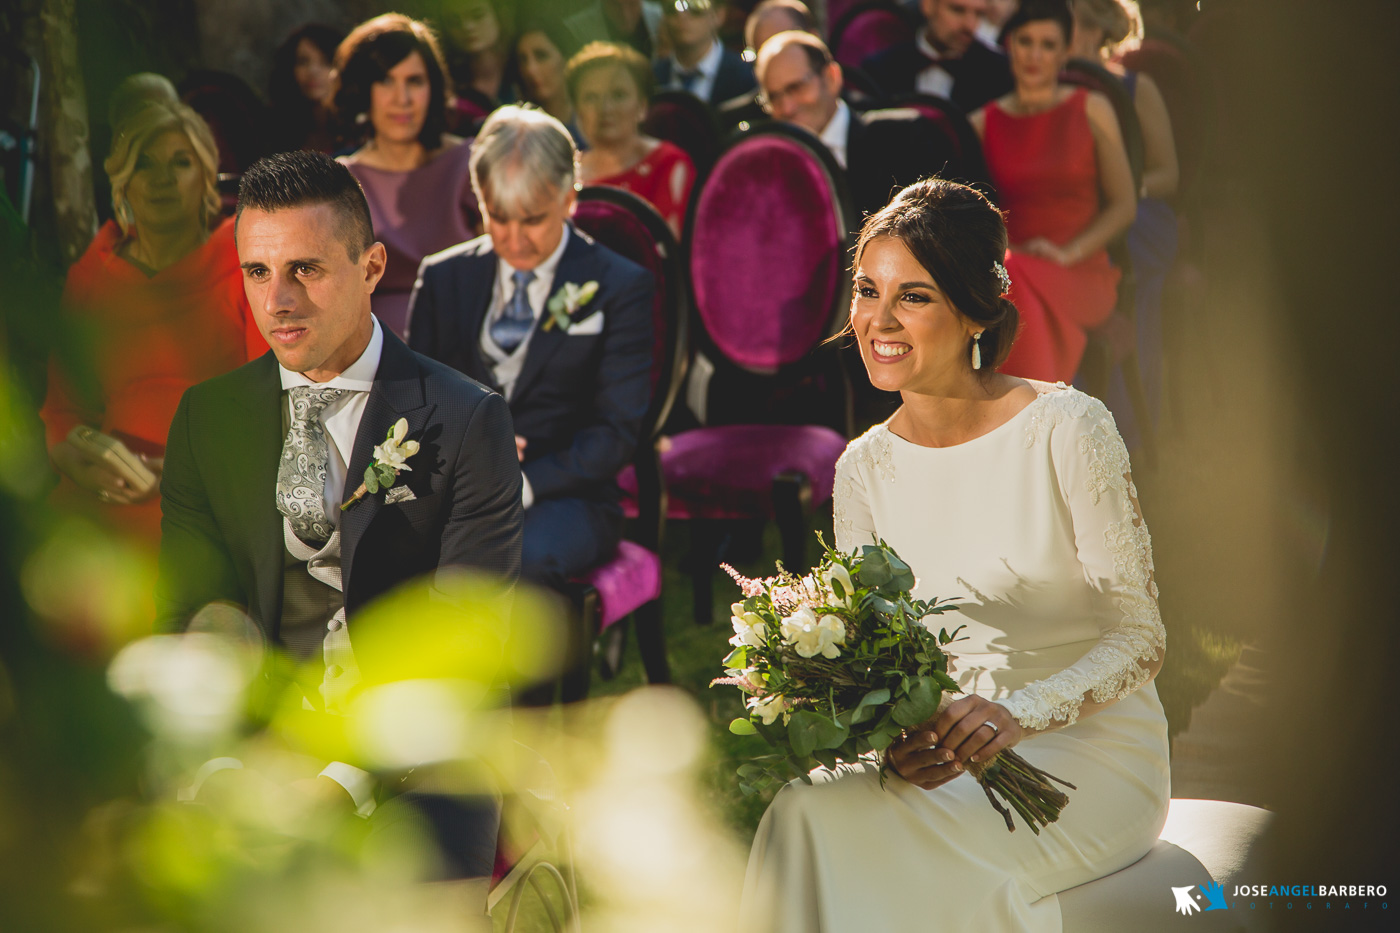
x=399 y=494
x=589 y=326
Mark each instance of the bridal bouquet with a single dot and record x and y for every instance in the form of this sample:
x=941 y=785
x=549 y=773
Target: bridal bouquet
x=839 y=663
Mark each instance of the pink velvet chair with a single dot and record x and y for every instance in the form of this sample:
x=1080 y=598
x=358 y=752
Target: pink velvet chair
x=766 y=251
x=630 y=583
x=867 y=29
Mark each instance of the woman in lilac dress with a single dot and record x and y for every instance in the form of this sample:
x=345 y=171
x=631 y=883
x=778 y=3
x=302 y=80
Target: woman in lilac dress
x=393 y=86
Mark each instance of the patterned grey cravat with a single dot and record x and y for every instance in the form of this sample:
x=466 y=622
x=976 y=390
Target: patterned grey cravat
x=301 y=474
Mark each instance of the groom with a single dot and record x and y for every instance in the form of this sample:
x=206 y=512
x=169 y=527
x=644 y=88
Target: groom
x=259 y=460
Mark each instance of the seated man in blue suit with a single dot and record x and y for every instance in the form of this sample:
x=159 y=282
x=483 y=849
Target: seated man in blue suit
x=559 y=325
x=699 y=62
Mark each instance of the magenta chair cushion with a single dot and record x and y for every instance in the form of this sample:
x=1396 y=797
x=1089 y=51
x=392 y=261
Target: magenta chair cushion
x=766 y=253
x=626 y=583
x=728 y=471
x=622 y=232
x=868 y=34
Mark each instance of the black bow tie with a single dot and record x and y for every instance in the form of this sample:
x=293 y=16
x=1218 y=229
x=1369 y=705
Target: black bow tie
x=950 y=65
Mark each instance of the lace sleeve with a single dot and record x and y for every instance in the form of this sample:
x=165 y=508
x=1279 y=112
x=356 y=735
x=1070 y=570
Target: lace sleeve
x=1115 y=549
x=854 y=523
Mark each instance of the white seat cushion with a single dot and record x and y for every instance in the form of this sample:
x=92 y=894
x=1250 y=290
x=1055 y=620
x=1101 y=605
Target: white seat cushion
x=1202 y=840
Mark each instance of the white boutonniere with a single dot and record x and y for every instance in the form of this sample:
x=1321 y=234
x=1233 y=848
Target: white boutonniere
x=566 y=301
x=389 y=458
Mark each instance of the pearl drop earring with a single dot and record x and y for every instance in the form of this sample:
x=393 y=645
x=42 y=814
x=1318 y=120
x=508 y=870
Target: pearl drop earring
x=977 y=350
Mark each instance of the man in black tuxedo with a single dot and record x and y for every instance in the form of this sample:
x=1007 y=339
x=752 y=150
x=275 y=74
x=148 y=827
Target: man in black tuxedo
x=259 y=461
x=945 y=58
x=560 y=325
x=881 y=151
x=699 y=62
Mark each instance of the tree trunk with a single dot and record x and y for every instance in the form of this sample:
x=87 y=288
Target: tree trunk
x=63 y=130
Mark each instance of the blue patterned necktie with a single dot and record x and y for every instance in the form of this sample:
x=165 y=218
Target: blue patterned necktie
x=301 y=473
x=516 y=318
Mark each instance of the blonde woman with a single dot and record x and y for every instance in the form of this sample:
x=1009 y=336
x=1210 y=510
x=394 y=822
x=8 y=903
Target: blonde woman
x=160 y=295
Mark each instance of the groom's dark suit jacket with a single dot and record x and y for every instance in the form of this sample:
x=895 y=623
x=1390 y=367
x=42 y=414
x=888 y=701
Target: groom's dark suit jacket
x=221 y=533
x=580 y=398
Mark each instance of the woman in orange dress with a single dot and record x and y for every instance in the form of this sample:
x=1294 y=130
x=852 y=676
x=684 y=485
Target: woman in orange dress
x=610 y=85
x=1056 y=156
x=159 y=294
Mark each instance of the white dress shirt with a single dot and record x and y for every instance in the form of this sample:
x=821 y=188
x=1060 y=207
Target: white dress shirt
x=341 y=420
x=342 y=417
x=505 y=367
x=837 y=131
x=708 y=68
x=933 y=79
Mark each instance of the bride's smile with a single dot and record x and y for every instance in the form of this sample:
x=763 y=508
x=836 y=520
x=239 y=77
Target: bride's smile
x=911 y=336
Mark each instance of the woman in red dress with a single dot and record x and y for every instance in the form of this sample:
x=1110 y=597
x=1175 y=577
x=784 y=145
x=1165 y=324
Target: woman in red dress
x=160 y=295
x=1056 y=156
x=610 y=85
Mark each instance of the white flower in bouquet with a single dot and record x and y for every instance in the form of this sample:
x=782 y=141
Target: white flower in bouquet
x=749 y=627
x=768 y=708
x=810 y=636
x=836 y=574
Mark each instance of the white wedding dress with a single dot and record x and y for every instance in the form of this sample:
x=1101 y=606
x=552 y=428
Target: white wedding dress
x=1033 y=528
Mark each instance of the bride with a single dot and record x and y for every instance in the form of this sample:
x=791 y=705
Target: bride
x=1015 y=498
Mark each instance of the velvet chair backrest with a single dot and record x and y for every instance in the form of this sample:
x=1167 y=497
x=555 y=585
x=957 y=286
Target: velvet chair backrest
x=630 y=227
x=967 y=162
x=766 y=248
x=867 y=29
x=685 y=120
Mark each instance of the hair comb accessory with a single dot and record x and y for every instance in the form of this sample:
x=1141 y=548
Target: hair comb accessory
x=1005 y=278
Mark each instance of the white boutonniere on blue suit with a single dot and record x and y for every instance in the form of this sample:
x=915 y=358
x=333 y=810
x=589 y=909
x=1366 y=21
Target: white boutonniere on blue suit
x=562 y=305
x=389 y=458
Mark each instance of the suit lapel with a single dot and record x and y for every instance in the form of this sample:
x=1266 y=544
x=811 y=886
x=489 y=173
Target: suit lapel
x=574 y=266
x=255 y=449
x=479 y=283
x=397 y=393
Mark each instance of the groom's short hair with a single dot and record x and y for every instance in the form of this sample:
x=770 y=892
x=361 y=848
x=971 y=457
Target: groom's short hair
x=304 y=178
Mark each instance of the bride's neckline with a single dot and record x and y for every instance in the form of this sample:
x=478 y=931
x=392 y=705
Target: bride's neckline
x=1043 y=391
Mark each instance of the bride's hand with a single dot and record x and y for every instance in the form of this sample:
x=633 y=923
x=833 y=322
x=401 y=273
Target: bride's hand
x=974 y=728
x=918 y=760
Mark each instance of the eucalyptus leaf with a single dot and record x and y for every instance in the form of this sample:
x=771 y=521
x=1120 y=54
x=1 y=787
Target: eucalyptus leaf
x=809 y=731
x=742 y=727
x=919 y=704
x=386 y=475
x=875 y=570
x=826 y=757
x=869 y=705
x=371 y=480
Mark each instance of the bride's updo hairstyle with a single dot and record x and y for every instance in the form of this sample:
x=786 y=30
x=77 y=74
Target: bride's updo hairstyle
x=959 y=237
